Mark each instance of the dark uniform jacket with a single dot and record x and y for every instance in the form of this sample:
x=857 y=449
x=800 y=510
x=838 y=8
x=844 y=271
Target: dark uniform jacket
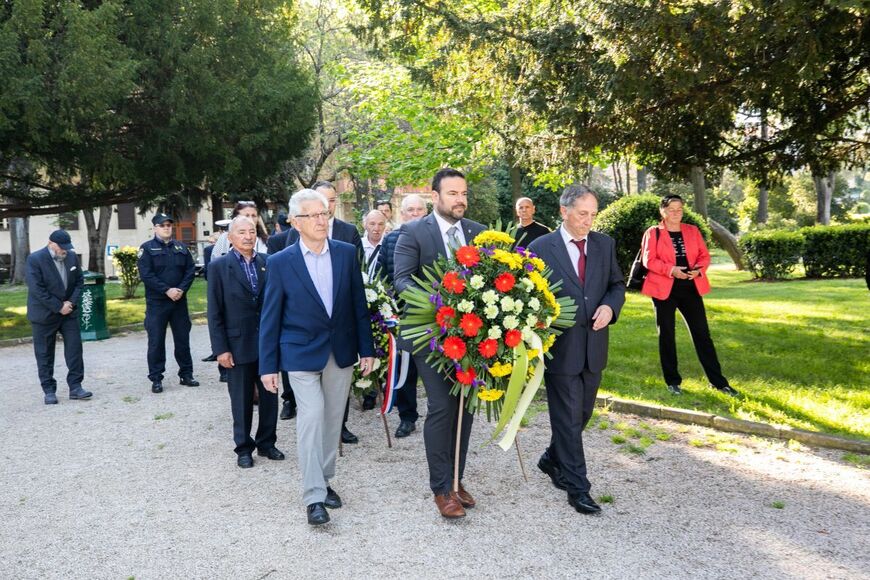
x=234 y=309
x=164 y=266
x=45 y=290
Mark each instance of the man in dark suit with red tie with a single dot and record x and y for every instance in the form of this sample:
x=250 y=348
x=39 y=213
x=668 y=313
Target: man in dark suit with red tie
x=586 y=263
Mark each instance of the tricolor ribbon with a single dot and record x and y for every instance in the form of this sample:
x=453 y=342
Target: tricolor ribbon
x=397 y=371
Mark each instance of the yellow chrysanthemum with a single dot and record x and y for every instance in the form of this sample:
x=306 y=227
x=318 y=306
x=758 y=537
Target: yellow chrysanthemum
x=537 y=263
x=490 y=394
x=530 y=372
x=488 y=237
x=501 y=369
x=539 y=281
x=533 y=353
x=548 y=342
x=509 y=259
x=550 y=298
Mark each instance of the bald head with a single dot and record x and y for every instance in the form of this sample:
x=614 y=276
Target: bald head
x=525 y=209
x=375 y=223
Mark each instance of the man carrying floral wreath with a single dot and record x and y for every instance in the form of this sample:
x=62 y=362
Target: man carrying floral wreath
x=420 y=244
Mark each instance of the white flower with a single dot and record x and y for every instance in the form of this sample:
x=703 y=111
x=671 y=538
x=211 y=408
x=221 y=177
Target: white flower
x=534 y=303
x=381 y=289
x=507 y=304
x=490 y=311
x=549 y=321
x=494 y=333
x=371 y=296
x=528 y=334
x=476 y=282
x=365 y=277
x=376 y=365
x=363 y=384
x=510 y=322
x=489 y=297
x=518 y=306
x=527 y=284
x=386 y=310
x=531 y=320
x=465 y=306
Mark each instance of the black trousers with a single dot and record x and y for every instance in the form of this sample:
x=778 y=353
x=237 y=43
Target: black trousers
x=685 y=298
x=570 y=401
x=287 y=391
x=439 y=430
x=405 y=398
x=44 y=341
x=242 y=380
x=159 y=314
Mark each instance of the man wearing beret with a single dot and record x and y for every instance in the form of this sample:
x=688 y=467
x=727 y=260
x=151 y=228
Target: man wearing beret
x=54 y=284
x=166 y=269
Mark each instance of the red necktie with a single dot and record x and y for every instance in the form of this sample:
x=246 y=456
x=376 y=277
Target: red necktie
x=581 y=261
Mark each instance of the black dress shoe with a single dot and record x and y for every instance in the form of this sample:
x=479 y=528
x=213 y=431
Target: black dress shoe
x=405 y=428
x=347 y=437
x=210 y=358
x=368 y=402
x=157 y=387
x=287 y=410
x=272 y=453
x=79 y=394
x=675 y=389
x=50 y=398
x=188 y=381
x=317 y=514
x=332 y=500
x=583 y=503
x=727 y=390
x=245 y=461
x=548 y=467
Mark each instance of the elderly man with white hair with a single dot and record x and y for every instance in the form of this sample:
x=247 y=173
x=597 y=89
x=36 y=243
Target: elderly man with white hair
x=315 y=325
x=374 y=224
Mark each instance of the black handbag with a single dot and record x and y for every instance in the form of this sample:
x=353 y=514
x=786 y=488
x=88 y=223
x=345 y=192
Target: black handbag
x=638 y=271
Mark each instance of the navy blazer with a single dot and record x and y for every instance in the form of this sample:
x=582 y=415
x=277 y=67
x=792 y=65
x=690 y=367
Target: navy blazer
x=580 y=346
x=234 y=309
x=277 y=242
x=385 y=256
x=45 y=290
x=296 y=333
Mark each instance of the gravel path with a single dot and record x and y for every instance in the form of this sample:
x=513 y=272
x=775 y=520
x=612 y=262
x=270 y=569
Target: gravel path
x=132 y=484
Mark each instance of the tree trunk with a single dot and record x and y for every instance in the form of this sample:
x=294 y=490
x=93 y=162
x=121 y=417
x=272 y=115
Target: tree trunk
x=761 y=216
x=628 y=175
x=824 y=190
x=728 y=242
x=217 y=210
x=19 y=232
x=641 y=179
x=696 y=174
x=98 y=233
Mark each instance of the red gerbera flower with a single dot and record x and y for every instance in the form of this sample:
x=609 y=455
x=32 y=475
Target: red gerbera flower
x=454 y=347
x=445 y=316
x=468 y=256
x=513 y=337
x=504 y=282
x=467 y=376
x=453 y=283
x=487 y=348
x=470 y=324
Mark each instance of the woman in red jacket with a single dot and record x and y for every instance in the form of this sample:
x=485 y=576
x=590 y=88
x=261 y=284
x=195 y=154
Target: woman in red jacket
x=677 y=259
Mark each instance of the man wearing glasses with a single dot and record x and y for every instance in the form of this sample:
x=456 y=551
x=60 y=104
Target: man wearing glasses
x=166 y=269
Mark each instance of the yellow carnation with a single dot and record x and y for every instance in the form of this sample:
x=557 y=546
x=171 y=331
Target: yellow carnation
x=490 y=394
x=539 y=281
x=489 y=237
x=509 y=259
x=538 y=264
x=501 y=369
x=548 y=342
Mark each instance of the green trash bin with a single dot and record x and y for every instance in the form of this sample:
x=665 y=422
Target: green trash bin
x=92 y=307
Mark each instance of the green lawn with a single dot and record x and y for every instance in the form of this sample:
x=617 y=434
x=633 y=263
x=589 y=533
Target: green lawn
x=13 y=309
x=798 y=351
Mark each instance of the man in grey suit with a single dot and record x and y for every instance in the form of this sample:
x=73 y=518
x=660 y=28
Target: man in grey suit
x=54 y=284
x=585 y=261
x=420 y=243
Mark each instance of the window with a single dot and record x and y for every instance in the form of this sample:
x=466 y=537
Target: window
x=68 y=220
x=126 y=216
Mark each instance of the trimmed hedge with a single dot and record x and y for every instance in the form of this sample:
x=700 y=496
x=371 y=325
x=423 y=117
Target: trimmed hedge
x=772 y=255
x=836 y=251
x=626 y=219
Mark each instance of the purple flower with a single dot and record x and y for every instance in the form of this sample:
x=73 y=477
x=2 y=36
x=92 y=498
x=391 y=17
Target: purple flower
x=433 y=344
x=487 y=250
x=530 y=267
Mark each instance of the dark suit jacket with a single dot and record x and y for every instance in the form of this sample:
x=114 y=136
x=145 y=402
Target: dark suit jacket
x=579 y=345
x=277 y=242
x=234 y=309
x=385 y=256
x=296 y=333
x=45 y=290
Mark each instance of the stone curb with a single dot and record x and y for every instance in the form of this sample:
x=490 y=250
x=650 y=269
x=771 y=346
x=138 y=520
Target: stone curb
x=734 y=425
x=115 y=330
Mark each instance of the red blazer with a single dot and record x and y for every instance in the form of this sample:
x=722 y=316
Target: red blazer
x=660 y=258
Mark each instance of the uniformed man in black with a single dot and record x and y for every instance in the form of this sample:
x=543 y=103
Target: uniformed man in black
x=166 y=269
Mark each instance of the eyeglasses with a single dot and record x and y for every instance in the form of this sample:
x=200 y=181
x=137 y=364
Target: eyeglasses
x=321 y=215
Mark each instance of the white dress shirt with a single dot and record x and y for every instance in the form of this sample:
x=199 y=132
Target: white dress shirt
x=444 y=225
x=573 y=250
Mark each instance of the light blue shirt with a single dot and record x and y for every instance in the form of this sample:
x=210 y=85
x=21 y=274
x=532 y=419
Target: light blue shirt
x=320 y=269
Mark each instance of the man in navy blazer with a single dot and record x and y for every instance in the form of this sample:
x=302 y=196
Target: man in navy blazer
x=235 y=298
x=586 y=263
x=420 y=244
x=54 y=285
x=315 y=325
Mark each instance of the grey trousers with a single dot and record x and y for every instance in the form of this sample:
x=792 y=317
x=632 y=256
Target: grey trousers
x=320 y=400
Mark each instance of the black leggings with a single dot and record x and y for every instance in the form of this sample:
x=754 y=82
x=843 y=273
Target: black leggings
x=685 y=298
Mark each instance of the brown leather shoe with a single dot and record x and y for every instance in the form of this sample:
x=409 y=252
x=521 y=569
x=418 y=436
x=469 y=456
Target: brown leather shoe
x=449 y=506
x=465 y=498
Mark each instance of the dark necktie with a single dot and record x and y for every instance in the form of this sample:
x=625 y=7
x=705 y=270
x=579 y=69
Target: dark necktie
x=581 y=261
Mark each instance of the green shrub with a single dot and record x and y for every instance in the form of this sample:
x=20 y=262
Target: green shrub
x=836 y=251
x=772 y=255
x=626 y=219
x=125 y=259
